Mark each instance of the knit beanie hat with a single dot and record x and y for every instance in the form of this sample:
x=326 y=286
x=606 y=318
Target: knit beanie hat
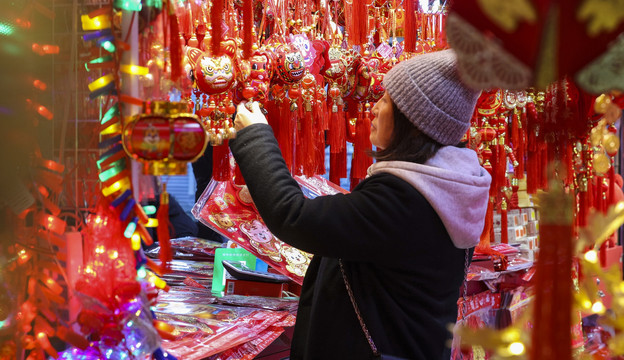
x=428 y=91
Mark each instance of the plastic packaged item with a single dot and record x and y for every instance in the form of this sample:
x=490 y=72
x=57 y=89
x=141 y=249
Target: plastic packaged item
x=228 y=209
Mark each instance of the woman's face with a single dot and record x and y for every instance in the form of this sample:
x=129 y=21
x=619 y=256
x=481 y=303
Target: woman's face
x=382 y=123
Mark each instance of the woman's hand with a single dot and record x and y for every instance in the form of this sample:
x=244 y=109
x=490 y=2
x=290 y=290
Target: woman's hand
x=244 y=117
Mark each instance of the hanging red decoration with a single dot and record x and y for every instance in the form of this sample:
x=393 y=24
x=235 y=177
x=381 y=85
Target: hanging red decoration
x=165 y=138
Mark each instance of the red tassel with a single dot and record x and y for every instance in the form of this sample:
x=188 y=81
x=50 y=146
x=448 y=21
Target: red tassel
x=319 y=146
x=361 y=161
x=286 y=133
x=501 y=166
x=409 y=29
x=360 y=22
x=221 y=170
x=484 y=242
x=175 y=48
x=514 y=138
x=582 y=209
x=216 y=21
x=337 y=166
x=163 y=231
x=247 y=28
x=590 y=194
x=598 y=193
x=522 y=145
x=308 y=145
x=238 y=176
x=336 y=123
x=504 y=225
x=543 y=162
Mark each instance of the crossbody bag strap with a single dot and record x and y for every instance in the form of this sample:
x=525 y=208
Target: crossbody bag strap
x=357 y=310
x=465 y=284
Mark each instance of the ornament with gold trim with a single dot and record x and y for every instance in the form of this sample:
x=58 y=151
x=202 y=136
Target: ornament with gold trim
x=165 y=138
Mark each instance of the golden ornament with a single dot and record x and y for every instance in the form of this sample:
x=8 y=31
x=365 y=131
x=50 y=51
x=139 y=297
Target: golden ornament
x=601 y=102
x=595 y=136
x=611 y=144
x=601 y=164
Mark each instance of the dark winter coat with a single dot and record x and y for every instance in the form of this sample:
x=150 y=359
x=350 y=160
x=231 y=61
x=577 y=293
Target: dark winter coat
x=404 y=268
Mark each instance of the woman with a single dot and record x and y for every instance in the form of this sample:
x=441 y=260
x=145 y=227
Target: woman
x=402 y=233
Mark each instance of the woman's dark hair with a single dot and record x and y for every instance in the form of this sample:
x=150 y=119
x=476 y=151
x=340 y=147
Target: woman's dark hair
x=407 y=143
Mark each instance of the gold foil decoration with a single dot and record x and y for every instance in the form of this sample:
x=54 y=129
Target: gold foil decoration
x=601 y=15
x=508 y=14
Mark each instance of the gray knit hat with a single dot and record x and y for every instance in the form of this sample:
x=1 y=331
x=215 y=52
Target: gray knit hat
x=427 y=90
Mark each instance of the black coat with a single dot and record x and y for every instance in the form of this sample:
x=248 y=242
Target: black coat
x=400 y=261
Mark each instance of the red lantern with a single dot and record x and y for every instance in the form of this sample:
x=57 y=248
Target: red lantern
x=165 y=139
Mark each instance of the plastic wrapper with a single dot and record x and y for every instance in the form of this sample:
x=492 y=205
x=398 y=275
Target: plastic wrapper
x=260 y=302
x=251 y=348
x=187 y=296
x=484 y=269
x=189 y=248
x=228 y=209
x=226 y=334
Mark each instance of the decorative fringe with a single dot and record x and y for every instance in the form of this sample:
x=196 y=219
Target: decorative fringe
x=221 y=170
x=216 y=21
x=163 y=231
x=409 y=29
x=247 y=28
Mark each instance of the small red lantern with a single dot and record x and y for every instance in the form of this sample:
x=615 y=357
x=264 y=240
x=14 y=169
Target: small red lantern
x=165 y=138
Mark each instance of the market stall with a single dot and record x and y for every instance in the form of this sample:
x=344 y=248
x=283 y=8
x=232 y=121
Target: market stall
x=90 y=270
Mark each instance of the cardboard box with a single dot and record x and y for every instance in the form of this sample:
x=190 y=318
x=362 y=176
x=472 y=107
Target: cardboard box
x=530 y=213
x=532 y=228
x=258 y=288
